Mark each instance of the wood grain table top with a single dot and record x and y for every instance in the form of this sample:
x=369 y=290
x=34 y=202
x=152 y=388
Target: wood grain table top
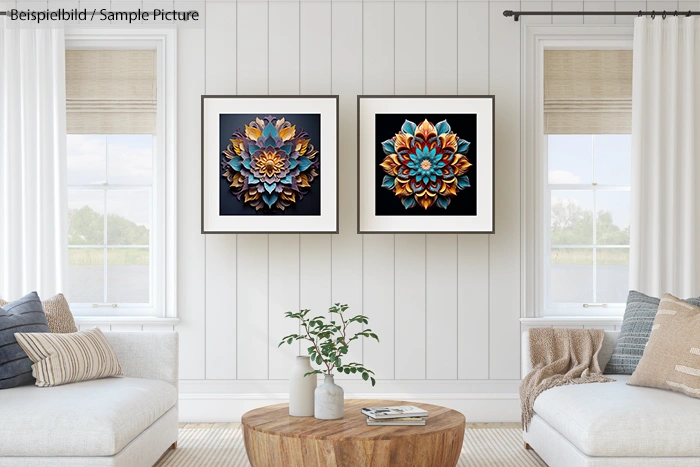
x=275 y=419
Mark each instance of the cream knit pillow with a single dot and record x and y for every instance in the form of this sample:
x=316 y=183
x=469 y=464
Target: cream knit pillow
x=68 y=358
x=671 y=359
x=57 y=312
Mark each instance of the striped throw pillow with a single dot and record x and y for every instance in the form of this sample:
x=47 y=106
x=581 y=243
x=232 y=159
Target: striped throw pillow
x=672 y=357
x=58 y=314
x=68 y=358
x=23 y=315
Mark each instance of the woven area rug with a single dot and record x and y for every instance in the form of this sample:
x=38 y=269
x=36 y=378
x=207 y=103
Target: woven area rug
x=222 y=446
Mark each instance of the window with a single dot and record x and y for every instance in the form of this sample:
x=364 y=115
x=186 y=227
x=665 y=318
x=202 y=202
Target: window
x=121 y=172
x=588 y=201
x=586 y=154
x=110 y=219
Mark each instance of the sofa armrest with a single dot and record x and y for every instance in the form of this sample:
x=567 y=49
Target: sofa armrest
x=606 y=350
x=149 y=355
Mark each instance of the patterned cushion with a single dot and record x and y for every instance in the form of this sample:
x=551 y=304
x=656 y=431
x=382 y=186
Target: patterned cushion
x=671 y=359
x=58 y=314
x=634 y=335
x=23 y=315
x=67 y=358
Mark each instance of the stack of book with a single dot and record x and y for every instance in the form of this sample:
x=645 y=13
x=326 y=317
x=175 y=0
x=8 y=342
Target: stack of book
x=402 y=415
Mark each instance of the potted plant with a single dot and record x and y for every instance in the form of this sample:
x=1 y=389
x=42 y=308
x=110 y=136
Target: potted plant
x=330 y=340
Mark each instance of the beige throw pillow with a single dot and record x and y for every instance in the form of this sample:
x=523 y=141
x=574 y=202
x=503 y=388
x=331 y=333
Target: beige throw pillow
x=671 y=359
x=57 y=312
x=68 y=358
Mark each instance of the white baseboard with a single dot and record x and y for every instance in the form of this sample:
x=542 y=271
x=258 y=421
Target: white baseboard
x=222 y=407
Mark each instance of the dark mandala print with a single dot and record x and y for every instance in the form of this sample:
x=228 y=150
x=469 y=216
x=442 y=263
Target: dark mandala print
x=426 y=164
x=270 y=165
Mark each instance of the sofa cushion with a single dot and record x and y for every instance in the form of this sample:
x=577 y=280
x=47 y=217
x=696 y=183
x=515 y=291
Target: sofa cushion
x=90 y=418
x=634 y=334
x=23 y=315
x=614 y=419
x=69 y=357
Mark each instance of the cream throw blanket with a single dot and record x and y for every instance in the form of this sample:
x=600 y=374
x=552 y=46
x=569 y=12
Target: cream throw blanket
x=560 y=357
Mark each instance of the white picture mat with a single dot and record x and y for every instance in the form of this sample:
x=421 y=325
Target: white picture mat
x=483 y=221
x=213 y=108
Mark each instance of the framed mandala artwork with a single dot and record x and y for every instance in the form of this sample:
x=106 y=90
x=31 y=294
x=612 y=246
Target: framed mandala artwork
x=425 y=164
x=269 y=164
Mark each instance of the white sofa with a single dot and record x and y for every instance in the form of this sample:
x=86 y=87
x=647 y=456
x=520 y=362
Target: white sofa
x=127 y=421
x=613 y=424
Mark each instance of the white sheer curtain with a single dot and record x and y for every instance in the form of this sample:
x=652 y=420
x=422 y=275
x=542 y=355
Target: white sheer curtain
x=665 y=224
x=33 y=205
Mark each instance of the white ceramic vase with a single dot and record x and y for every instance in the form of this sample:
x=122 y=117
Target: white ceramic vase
x=329 y=400
x=301 y=389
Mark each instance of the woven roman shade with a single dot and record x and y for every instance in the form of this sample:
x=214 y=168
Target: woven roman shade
x=111 y=91
x=587 y=91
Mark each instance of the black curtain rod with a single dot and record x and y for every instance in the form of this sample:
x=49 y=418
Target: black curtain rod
x=517 y=14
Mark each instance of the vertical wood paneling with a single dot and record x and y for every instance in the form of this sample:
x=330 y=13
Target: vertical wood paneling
x=253 y=46
x=441 y=310
x=284 y=296
x=191 y=255
x=628 y=6
x=598 y=6
x=504 y=288
x=320 y=76
x=473 y=60
x=540 y=5
x=252 y=265
x=410 y=47
x=461 y=292
x=409 y=252
x=441 y=250
x=315 y=267
x=378 y=250
x=283 y=61
x=220 y=320
x=473 y=250
x=316 y=41
x=442 y=38
x=316 y=260
x=567 y=6
x=283 y=259
x=347 y=245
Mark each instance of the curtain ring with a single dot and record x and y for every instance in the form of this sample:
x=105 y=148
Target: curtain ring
x=663 y=16
x=675 y=13
x=653 y=14
x=688 y=15
x=640 y=14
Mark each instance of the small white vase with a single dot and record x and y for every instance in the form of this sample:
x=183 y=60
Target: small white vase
x=329 y=400
x=301 y=389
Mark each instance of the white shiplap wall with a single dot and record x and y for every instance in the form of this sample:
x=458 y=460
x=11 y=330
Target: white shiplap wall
x=446 y=307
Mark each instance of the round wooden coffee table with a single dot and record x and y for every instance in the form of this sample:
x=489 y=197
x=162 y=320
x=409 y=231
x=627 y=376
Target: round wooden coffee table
x=273 y=438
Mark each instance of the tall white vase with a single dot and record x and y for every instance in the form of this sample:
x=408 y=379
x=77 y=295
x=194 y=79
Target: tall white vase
x=301 y=389
x=329 y=400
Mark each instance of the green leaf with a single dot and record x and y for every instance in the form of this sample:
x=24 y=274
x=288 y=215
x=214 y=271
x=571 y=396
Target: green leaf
x=347 y=370
x=337 y=361
x=373 y=381
x=365 y=376
x=319 y=360
x=290 y=340
x=354 y=370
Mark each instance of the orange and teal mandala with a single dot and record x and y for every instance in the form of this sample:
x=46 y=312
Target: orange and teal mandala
x=425 y=164
x=270 y=165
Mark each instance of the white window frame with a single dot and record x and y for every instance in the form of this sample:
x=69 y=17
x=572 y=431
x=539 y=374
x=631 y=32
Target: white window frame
x=163 y=246
x=534 y=174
